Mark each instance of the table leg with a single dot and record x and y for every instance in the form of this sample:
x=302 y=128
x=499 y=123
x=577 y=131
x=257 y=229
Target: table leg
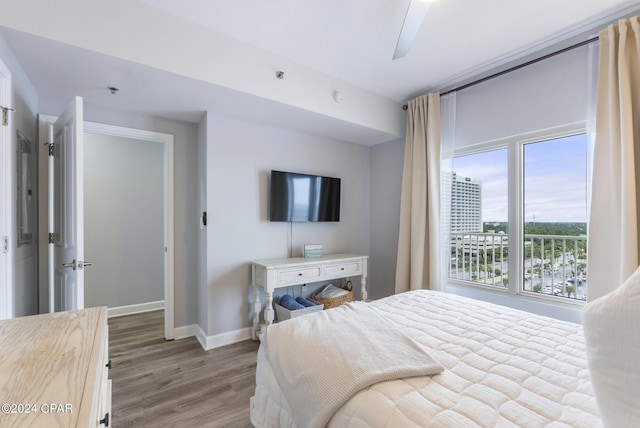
x=257 y=308
x=363 y=285
x=268 y=309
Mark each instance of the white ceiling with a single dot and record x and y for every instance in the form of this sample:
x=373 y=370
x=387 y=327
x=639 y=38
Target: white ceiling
x=59 y=71
x=349 y=41
x=353 y=40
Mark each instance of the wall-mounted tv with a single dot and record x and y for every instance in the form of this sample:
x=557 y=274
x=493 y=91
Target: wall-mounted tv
x=303 y=198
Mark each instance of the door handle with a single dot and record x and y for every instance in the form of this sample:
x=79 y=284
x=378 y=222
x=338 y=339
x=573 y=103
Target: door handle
x=71 y=265
x=77 y=265
x=82 y=264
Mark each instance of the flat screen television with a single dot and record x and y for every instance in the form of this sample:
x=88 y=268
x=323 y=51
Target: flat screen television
x=303 y=198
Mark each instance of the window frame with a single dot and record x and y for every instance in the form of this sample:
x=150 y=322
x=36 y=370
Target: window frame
x=515 y=217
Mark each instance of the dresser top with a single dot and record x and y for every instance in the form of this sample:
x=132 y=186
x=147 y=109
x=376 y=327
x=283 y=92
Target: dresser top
x=298 y=261
x=47 y=360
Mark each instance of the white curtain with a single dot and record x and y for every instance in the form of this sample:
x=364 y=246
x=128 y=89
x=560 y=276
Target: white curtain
x=419 y=249
x=447 y=152
x=613 y=248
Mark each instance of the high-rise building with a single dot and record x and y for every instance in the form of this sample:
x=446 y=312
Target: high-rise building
x=466 y=204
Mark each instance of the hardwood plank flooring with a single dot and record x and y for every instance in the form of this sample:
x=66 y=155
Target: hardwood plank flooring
x=176 y=384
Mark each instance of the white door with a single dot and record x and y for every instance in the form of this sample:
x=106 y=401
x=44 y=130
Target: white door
x=68 y=212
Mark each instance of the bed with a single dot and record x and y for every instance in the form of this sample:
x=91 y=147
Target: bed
x=502 y=367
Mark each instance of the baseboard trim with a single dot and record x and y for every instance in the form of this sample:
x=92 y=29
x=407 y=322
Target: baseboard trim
x=202 y=338
x=211 y=342
x=185 y=331
x=216 y=341
x=135 y=309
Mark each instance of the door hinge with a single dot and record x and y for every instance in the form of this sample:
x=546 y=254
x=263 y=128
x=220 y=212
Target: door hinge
x=5 y=115
x=50 y=148
x=52 y=238
x=5 y=244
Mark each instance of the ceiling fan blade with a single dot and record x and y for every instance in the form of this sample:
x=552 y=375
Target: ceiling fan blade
x=414 y=18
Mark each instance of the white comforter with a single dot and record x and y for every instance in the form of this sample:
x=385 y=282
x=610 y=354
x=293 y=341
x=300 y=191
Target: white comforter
x=503 y=368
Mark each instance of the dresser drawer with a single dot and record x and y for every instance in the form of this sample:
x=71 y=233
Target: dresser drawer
x=344 y=269
x=297 y=275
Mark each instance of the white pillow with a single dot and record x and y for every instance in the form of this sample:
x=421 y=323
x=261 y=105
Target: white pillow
x=612 y=333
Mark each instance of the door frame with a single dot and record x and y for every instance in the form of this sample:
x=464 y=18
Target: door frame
x=7 y=205
x=167 y=140
x=167 y=143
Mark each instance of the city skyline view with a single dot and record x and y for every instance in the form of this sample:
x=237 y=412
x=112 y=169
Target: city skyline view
x=555 y=180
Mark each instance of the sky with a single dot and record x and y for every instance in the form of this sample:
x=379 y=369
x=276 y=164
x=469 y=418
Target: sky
x=554 y=180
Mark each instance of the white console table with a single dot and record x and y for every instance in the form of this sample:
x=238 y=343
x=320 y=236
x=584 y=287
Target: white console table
x=276 y=273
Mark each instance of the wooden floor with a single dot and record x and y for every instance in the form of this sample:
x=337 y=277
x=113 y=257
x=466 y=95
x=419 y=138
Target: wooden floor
x=176 y=384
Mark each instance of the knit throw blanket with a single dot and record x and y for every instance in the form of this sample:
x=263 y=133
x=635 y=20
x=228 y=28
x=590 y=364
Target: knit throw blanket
x=321 y=360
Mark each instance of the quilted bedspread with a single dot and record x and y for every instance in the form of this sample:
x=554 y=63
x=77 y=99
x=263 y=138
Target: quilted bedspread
x=503 y=368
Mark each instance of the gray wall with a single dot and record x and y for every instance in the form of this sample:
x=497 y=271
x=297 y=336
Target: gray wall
x=386 y=184
x=240 y=156
x=25 y=99
x=185 y=199
x=202 y=230
x=124 y=222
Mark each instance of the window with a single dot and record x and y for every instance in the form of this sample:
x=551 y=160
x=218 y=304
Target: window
x=555 y=216
x=527 y=200
x=479 y=223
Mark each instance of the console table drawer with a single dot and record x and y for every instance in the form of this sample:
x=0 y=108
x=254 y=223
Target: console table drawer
x=294 y=276
x=354 y=268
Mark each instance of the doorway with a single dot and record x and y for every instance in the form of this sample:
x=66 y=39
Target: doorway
x=129 y=220
x=166 y=142
x=123 y=224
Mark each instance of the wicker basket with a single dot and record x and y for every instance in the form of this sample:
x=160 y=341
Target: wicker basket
x=286 y=314
x=335 y=301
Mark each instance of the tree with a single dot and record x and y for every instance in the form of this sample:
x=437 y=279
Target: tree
x=570 y=289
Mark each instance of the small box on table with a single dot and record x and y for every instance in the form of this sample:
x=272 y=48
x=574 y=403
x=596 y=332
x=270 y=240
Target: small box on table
x=313 y=250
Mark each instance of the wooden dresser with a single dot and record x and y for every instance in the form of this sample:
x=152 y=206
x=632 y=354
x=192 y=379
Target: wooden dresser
x=54 y=370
